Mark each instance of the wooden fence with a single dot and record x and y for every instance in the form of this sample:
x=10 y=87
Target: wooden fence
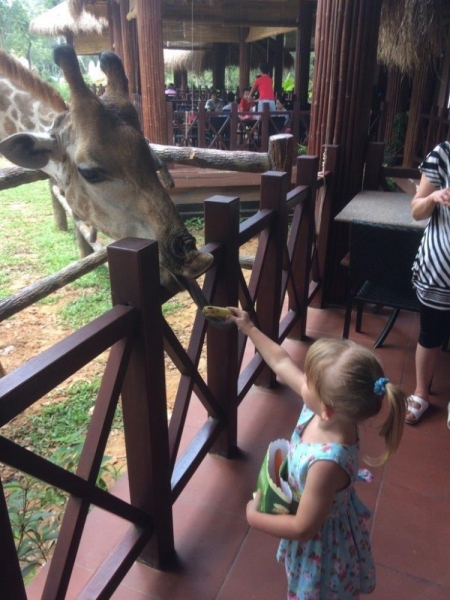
x=277 y=295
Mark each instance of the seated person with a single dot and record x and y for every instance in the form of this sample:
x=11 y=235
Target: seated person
x=230 y=100
x=280 y=107
x=171 y=92
x=246 y=104
x=214 y=103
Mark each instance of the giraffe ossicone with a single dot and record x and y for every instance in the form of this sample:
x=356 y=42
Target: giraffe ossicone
x=97 y=154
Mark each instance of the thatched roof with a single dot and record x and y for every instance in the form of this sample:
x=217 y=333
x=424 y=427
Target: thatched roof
x=412 y=31
x=198 y=61
x=59 y=21
x=232 y=13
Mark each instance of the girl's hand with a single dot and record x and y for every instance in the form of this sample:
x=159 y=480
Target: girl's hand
x=241 y=318
x=252 y=508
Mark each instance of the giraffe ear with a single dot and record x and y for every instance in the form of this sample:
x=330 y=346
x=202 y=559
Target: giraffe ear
x=30 y=150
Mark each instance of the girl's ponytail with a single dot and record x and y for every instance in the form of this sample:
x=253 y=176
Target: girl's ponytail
x=392 y=428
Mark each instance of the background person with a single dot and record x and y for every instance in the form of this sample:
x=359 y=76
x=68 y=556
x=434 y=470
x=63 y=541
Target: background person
x=431 y=273
x=214 y=103
x=230 y=100
x=246 y=103
x=263 y=84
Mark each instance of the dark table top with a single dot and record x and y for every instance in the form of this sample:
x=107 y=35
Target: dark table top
x=386 y=208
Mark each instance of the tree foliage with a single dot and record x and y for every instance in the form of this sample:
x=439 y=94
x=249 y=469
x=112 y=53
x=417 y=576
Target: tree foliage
x=15 y=38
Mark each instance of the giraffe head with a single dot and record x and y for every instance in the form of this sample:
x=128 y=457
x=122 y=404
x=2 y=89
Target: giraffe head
x=99 y=157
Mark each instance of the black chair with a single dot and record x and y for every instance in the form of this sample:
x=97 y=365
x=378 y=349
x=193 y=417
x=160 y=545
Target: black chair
x=277 y=124
x=381 y=257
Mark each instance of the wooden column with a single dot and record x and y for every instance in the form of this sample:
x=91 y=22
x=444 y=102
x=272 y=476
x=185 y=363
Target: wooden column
x=219 y=66
x=345 y=63
x=183 y=79
x=303 y=52
x=151 y=60
x=116 y=28
x=396 y=97
x=422 y=93
x=129 y=45
x=445 y=80
x=244 y=62
x=278 y=66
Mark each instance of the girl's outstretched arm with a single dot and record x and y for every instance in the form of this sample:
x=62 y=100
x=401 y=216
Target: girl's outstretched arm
x=273 y=354
x=324 y=479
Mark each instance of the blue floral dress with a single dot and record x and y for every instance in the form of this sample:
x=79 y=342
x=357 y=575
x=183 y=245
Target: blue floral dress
x=337 y=563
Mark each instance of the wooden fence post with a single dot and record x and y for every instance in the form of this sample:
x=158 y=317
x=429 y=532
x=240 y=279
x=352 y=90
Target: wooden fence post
x=222 y=226
x=374 y=163
x=11 y=582
x=302 y=248
x=134 y=274
x=323 y=260
x=274 y=189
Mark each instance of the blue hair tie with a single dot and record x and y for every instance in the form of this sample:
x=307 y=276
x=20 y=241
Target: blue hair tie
x=379 y=387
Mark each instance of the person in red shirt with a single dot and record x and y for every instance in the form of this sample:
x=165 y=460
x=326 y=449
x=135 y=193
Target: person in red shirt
x=263 y=84
x=246 y=103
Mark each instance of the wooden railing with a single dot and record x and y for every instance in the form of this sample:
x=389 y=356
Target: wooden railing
x=233 y=130
x=138 y=335
x=376 y=173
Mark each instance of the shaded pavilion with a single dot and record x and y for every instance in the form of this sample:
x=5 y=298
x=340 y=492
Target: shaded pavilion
x=398 y=48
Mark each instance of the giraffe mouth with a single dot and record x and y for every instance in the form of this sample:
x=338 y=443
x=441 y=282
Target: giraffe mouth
x=181 y=257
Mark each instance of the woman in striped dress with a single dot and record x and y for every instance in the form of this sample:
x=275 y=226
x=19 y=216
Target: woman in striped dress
x=431 y=272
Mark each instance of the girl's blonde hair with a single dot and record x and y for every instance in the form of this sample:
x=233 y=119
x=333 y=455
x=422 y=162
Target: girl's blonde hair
x=343 y=375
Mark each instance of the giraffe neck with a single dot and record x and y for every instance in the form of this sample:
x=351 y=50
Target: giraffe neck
x=20 y=111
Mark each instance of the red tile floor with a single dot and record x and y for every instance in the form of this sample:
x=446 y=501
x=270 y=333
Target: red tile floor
x=221 y=558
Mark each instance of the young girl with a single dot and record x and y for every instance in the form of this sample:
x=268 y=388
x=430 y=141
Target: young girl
x=325 y=546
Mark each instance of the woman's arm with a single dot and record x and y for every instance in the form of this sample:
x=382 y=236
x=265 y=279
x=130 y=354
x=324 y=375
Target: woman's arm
x=324 y=479
x=426 y=198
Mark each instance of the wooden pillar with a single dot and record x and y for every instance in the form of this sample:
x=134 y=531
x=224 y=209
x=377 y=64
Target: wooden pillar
x=129 y=45
x=183 y=80
x=114 y=9
x=278 y=64
x=396 y=97
x=151 y=59
x=445 y=80
x=244 y=61
x=345 y=63
x=421 y=96
x=219 y=66
x=303 y=52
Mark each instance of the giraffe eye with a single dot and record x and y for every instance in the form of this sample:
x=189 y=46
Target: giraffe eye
x=92 y=175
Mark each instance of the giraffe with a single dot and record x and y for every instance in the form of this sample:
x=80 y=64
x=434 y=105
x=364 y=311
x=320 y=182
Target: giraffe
x=97 y=154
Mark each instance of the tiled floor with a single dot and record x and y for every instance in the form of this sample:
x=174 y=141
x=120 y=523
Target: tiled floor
x=221 y=558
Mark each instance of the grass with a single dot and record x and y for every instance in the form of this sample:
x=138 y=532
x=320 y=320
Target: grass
x=35 y=508
x=32 y=248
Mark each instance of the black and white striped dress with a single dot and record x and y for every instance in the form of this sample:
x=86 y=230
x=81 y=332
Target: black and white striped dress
x=431 y=269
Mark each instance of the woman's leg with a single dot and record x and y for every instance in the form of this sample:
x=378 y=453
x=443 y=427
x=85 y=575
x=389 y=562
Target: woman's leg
x=434 y=325
x=425 y=362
